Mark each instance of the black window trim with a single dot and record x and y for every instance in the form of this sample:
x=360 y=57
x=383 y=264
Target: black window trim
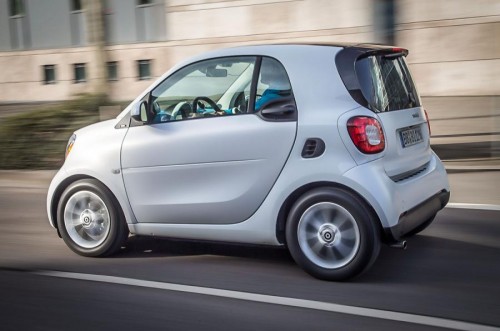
x=253 y=86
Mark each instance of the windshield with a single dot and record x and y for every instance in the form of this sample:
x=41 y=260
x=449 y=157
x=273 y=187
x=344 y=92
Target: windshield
x=386 y=83
x=209 y=78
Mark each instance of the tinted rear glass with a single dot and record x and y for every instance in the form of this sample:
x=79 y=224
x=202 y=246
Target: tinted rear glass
x=386 y=83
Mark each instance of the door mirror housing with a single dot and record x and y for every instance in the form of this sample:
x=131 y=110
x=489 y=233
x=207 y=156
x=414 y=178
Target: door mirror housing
x=281 y=109
x=140 y=112
x=143 y=111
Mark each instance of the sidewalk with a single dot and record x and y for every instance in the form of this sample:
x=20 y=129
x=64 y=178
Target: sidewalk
x=26 y=179
x=477 y=187
x=468 y=165
x=469 y=185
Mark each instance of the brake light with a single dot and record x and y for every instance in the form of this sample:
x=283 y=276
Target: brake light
x=428 y=122
x=400 y=50
x=366 y=133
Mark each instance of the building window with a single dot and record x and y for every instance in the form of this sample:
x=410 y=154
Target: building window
x=385 y=21
x=144 y=2
x=18 y=25
x=16 y=7
x=76 y=21
x=113 y=70
x=49 y=74
x=149 y=23
x=79 y=69
x=76 y=5
x=144 y=69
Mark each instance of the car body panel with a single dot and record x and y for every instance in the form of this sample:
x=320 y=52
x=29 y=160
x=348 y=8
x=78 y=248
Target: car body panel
x=399 y=159
x=219 y=175
x=95 y=154
x=324 y=106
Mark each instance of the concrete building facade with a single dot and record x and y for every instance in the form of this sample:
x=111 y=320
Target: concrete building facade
x=455 y=60
x=49 y=50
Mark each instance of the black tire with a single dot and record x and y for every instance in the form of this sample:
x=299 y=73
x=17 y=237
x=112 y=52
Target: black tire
x=420 y=228
x=328 y=262
x=101 y=217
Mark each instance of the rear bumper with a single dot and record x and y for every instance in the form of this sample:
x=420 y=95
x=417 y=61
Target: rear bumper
x=418 y=215
x=401 y=205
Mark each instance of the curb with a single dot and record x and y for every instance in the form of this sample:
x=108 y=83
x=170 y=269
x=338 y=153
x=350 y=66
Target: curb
x=476 y=206
x=457 y=168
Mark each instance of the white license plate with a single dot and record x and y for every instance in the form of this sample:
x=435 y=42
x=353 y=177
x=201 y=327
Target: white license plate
x=410 y=137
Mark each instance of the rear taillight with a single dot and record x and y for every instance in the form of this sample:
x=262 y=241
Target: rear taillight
x=367 y=134
x=428 y=122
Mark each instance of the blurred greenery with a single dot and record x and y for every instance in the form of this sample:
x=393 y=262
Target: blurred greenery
x=37 y=139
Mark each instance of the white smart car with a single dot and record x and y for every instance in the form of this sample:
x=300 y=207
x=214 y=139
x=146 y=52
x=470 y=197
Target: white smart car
x=322 y=148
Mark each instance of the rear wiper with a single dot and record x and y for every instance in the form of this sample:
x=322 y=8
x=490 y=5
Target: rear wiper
x=411 y=98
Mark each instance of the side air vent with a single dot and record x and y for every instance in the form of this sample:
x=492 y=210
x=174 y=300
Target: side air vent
x=313 y=147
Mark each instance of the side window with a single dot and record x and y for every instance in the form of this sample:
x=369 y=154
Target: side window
x=215 y=87
x=273 y=84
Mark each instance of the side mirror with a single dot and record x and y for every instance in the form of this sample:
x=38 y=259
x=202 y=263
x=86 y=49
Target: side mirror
x=143 y=111
x=281 y=109
x=140 y=112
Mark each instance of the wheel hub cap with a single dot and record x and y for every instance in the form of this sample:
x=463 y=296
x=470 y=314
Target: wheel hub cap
x=86 y=219
x=328 y=235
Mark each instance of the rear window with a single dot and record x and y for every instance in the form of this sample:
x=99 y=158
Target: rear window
x=386 y=83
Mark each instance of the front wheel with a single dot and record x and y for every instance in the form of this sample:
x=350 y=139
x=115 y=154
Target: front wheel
x=90 y=220
x=331 y=234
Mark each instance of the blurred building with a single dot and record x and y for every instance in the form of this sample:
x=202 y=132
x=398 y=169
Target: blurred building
x=455 y=60
x=53 y=49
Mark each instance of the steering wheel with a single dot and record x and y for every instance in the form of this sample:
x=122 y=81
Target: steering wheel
x=183 y=108
x=207 y=100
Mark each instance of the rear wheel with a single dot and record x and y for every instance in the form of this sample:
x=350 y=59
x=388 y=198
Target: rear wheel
x=331 y=234
x=90 y=220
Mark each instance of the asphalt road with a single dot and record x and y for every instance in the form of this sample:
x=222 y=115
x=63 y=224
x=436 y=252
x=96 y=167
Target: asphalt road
x=450 y=271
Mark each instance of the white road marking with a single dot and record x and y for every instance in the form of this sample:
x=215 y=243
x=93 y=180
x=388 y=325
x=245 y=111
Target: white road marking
x=479 y=206
x=276 y=300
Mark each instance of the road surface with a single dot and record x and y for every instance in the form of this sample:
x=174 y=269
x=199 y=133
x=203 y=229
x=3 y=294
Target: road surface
x=447 y=278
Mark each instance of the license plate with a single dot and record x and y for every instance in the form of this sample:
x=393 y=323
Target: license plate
x=411 y=136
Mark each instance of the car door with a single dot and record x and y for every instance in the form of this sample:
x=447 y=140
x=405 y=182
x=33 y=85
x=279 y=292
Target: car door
x=195 y=163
